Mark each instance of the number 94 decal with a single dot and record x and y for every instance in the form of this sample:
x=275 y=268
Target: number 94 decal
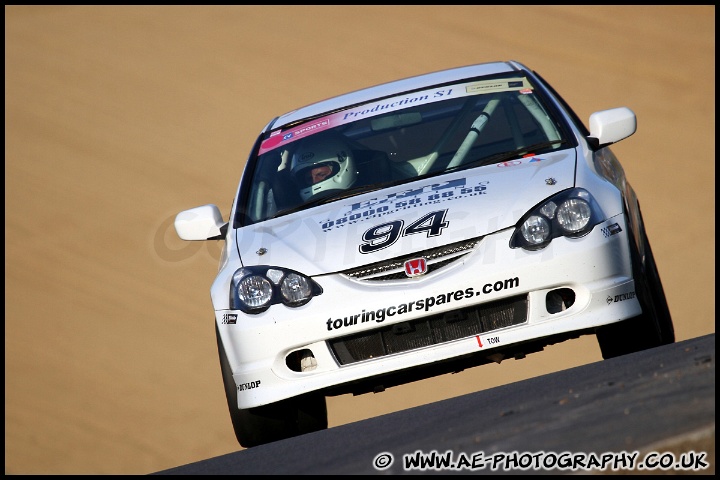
x=383 y=235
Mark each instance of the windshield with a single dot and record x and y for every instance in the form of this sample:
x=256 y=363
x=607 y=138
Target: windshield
x=397 y=140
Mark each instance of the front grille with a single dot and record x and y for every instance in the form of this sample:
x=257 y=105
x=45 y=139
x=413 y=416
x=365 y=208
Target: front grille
x=432 y=330
x=394 y=269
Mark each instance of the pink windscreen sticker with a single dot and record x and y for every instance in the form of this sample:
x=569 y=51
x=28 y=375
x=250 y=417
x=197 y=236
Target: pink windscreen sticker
x=288 y=136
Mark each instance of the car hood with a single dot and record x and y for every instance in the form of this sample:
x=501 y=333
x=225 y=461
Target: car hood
x=473 y=203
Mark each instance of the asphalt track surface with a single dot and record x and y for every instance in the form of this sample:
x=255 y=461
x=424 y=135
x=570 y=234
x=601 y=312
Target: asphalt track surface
x=659 y=403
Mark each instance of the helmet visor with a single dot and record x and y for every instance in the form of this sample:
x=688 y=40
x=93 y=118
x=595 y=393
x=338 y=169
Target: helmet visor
x=316 y=174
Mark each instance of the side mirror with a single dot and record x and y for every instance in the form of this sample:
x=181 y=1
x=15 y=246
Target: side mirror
x=200 y=223
x=611 y=126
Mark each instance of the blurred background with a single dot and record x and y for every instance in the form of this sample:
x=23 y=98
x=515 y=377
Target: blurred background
x=119 y=117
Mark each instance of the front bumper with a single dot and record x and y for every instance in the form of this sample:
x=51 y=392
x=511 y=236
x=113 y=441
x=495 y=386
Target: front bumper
x=262 y=348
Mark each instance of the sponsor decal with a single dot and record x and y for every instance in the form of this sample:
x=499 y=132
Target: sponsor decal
x=248 y=385
x=275 y=139
x=488 y=86
x=413 y=198
x=425 y=304
x=272 y=142
x=620 y=297
x=374 y=109
x=229 y=319
x=485 y=87
x=611 y=230
x=415 y=267
x=488 y=341
x=511 y=163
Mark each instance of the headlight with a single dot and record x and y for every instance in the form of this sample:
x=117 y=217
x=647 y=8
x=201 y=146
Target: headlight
x=255 y=289
x=535 y=230
x=572 y=213
x=295 y=289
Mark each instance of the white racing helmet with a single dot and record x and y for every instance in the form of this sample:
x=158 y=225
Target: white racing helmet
x=322 y=151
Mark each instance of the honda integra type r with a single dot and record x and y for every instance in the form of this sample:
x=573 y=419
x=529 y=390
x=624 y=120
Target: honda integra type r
x=417 y=228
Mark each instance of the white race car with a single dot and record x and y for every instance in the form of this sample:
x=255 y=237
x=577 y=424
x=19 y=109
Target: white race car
x=422 y=227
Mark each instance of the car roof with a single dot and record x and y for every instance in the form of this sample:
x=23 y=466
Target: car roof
x=394 y=88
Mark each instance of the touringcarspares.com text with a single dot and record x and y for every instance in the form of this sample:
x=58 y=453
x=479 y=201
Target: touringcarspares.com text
x=524 y=461
x=426 y=304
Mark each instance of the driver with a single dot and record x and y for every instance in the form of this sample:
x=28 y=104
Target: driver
x=322 y=164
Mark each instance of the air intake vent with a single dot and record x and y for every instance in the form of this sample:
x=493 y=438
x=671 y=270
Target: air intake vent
x=433 y=330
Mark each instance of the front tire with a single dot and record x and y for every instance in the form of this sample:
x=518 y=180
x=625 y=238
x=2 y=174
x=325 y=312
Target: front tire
x=276 y=421
x=654 y=326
